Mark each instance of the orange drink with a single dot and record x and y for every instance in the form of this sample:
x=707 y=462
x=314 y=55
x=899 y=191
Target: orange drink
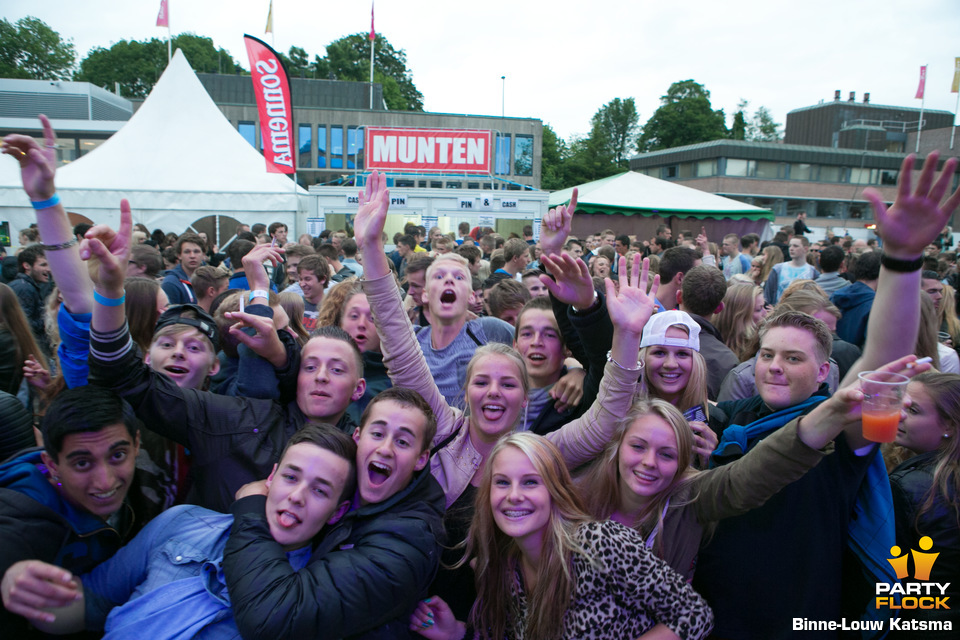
x=882 y=399
x=880 y=427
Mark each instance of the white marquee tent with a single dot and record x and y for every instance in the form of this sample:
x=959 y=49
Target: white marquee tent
x=177 y=160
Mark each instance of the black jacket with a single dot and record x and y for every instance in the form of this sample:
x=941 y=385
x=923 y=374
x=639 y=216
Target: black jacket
x=36 y=523
x=910 y=483
x=364 y=578
x=232 y=440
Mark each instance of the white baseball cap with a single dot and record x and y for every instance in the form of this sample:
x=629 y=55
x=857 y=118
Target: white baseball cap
x=654 y=332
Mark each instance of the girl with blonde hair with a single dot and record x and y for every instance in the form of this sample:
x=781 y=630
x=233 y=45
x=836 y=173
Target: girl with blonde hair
x=546 y=569
x=743 y=309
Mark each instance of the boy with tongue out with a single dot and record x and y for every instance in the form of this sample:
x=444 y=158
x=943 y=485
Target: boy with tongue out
x=167 y=582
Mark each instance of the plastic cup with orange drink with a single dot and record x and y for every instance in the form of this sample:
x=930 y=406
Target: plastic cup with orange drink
x=882 y=400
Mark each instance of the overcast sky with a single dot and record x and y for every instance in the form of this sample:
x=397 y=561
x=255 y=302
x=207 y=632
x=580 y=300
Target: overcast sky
x=564 y=59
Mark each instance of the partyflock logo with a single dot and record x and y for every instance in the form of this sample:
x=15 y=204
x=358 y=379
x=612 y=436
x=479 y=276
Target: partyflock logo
x=919 y=593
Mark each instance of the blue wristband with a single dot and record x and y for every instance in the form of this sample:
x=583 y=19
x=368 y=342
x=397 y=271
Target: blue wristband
x=53 y=201
x=109 y=302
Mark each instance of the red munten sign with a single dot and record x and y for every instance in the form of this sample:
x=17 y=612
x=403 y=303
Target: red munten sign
x=428 y=150
x=272 y=89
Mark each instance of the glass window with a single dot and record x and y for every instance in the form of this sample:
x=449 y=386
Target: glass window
x=860 y=176
x=767 y=170
x=740 y=167
x=888 y=177
x=336 y=147
x=501 y=165
x=686 y=170
x=453 y=185
x=829 y=174
x=321 y=146
x=87 y=145
x=523 y=151
x=436 y=184
x=706 y=168
x=667 y=173
x=801 y=171
x=422 y=184
x=473 y=185
x=406 y=184
x=354 y=148
x=305 y=141
x=249 y=132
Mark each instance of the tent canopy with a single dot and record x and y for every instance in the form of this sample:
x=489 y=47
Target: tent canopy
x=633 y=193
x=177 y=160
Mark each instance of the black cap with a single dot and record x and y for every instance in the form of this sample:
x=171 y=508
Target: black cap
x=203 y=322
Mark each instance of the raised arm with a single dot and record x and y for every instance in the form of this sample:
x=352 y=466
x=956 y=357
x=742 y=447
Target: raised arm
x=402 y=355
x=906 y=228
x=555 y=226
x=38 y=167
x=629 y=309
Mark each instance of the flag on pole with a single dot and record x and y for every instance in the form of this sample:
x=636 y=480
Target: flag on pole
x=373 y=33
x=955 y=88
x=269 y=27
x=923 y=81
x=163 y=18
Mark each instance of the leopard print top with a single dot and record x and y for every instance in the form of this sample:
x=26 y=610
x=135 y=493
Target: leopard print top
x=630 y=592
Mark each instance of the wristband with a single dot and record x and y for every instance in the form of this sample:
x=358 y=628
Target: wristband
x=258 y=293
x=593 y=304
x=109 y=302
x=52 y=201
x=72 y=242
x=900 y=266
x=639 y=366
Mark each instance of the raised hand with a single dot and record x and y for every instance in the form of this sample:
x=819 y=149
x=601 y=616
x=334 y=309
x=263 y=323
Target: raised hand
x=264 y=342
x=916 y=218
x=372 y=212
x=253 y=264
x=36 y=375
x=555 y=226
x=37 y=164
x=112 y=250
x=573 y=284
x=568 y=390
x=631 y=307
x=704 y=441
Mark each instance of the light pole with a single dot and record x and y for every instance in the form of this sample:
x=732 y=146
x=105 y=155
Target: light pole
x=503 y=116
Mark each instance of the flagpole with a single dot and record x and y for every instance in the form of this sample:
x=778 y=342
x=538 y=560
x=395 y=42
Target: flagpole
x=923 y=99
x=953 y=129
x=169 y=42
x=373 y=45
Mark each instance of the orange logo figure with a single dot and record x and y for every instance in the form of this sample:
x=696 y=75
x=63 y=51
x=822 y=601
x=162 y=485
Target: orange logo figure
x=899 y=564
x=922 y=562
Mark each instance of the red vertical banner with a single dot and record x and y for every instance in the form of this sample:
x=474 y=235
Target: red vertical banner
x=272 y=88
x=923 y=81
x=373 y=32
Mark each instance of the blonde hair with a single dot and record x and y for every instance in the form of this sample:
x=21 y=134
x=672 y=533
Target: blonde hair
x=735 y=322
x=451 y=257
x=948 y=314
x=498 y=556
x=332 y=305
x=929 y=328
x=292 y=303
x=773 y=256
x=601 y=486
x=803 y=284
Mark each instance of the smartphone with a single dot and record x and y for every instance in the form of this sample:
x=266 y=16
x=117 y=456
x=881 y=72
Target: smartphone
x=695 y=414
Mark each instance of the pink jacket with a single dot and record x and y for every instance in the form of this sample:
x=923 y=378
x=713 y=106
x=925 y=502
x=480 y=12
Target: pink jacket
x=454 y=465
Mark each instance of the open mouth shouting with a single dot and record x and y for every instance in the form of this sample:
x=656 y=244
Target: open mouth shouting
x=449 y=296
x=378 y=473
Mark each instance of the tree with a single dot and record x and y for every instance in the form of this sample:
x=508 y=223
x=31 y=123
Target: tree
x=30 y=49
x=739 y=129
x=684 y=117
x=138 y=65
x=349 y=59
x=763 y=128
x=615 y=126
x=552 y=152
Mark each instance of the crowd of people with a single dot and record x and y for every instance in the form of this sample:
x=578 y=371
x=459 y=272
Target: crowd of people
x=472 y=436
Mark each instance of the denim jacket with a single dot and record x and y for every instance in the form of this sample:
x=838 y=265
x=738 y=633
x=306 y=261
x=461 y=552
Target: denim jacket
x=168 y=581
